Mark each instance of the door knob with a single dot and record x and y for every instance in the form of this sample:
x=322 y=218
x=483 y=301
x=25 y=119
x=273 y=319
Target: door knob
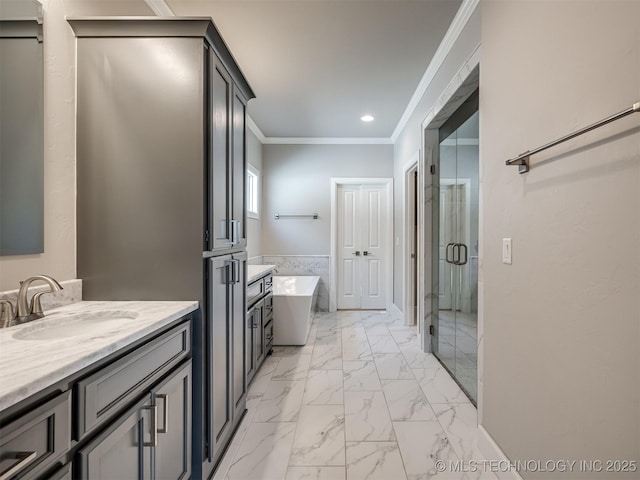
x=365 y=253
x=357 y=253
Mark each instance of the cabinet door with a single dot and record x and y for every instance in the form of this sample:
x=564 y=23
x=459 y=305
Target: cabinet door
x=239 y=333
x=249 y=355
x=239 y=170
x=219 y=407
x=173 y=401
x=122 y=450
x=258 y=336
x=219 y=98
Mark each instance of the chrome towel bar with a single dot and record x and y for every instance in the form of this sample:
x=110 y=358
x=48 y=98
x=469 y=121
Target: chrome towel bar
x=522 y=160
x=278 y=216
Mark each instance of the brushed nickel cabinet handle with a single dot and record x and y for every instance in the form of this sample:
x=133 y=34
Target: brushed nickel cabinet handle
x=165 y=413
x=24 y=459
x=154 y=426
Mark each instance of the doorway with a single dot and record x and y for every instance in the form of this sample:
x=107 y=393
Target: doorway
x=411 y=245
x=454 y=226
x=361 y=230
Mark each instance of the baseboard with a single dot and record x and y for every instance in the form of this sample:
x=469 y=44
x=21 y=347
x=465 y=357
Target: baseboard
x=396 y=311
x=491 y=451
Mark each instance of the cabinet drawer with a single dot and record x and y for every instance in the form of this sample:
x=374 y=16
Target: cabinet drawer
x=254 y=292
x=268 y=283
x=268 y=307
x=268 y=335
x=103 y=394
x=37 y=439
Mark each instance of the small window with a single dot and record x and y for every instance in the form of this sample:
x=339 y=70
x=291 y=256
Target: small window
x=253 y=192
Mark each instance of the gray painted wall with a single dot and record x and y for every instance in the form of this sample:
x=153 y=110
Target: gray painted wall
x=297 y=179
x=409 y=141
x=254 y=226
x=562 y=324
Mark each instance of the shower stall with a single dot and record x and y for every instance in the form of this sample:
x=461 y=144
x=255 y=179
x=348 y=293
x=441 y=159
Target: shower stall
x=454 y=265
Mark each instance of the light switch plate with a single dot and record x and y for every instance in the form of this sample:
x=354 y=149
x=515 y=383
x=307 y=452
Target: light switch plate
x=506 y=251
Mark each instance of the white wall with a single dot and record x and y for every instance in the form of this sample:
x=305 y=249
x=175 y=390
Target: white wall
x=409 y=140
x=59 y=257
x=297 y=179
x=254 y=226
x=562 y=324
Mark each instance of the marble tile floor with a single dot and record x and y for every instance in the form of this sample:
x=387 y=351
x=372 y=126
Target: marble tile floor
x=359 y=401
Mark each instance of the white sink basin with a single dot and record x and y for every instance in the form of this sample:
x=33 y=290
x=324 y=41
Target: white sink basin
x=73 y=325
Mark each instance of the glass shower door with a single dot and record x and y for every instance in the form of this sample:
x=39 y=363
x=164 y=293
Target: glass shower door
x=455 y=227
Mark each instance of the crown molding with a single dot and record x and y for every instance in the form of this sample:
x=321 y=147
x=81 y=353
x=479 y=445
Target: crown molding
x=466 y=10
x=256 y=131
x=327 y=141
x=314 y=140
x=455 y=29
x=160 y=8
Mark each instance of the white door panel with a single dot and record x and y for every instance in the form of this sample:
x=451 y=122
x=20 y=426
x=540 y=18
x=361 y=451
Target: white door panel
x=348 y=240
x=362 y=249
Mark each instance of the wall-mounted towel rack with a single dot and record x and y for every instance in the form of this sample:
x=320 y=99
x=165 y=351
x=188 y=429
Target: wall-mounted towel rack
x=278 y=216
x=522 y=160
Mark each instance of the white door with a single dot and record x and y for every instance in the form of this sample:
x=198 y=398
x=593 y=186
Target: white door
x=362 y=250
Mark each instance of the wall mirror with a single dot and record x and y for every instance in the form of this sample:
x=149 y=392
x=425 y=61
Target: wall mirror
x=21 y=128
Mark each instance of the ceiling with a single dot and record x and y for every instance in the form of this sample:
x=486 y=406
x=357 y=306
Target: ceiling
x=317 y=66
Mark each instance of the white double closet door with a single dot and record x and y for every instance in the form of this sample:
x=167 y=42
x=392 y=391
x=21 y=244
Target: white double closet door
x=363 y=224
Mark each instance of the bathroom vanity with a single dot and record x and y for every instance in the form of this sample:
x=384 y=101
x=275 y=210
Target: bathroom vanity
x=98 y=390
x=259 y=316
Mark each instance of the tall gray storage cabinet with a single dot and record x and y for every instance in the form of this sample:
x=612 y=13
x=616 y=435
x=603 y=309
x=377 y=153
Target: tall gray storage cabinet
x=161 y=126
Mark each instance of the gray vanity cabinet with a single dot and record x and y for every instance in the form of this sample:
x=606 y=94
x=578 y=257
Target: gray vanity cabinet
x=259 y=323
x=121 y=450
x=131 y=415
x=255 y=339
x=226 y=304
x=161 y=168
x=172 y=454
x=239 y=162
x=151 y=440
x=227 y=146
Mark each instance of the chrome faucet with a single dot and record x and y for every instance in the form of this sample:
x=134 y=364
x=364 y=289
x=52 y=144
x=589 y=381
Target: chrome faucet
x=26 y=312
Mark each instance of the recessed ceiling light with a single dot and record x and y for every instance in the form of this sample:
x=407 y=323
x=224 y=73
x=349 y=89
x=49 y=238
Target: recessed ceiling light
x=367 y=118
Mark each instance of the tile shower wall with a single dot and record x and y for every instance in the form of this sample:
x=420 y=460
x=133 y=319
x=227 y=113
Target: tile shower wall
x=303 y=265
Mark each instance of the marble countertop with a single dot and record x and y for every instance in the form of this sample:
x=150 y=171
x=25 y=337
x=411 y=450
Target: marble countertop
x=256 y=271
x=88 y=332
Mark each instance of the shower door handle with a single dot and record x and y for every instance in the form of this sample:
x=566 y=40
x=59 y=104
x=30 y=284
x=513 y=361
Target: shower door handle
x=466 y=256
x=456 y=254
x=446 y=254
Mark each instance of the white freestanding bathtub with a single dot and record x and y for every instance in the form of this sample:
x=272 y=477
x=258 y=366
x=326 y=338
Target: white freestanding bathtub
x=294 y=298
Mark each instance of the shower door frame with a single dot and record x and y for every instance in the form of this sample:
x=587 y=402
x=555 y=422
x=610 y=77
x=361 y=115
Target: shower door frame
x=461 y=87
